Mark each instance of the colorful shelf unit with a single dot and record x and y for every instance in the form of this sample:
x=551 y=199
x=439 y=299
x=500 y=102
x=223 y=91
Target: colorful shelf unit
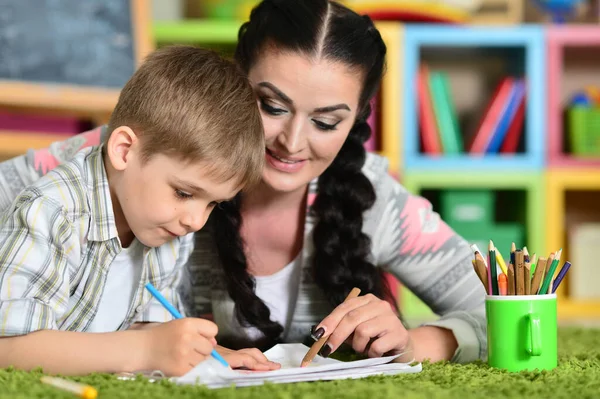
x=392 y=34
x=530 y=40
x=558 y=185
x=530 y=183
x=559 y=41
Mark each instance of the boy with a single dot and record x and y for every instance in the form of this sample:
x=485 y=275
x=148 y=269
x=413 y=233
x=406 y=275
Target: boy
x=78 y=246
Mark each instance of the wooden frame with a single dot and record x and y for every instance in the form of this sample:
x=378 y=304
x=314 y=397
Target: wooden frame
x=84 y=100
x=557 y=183
x=531 y=39
x=499 y=12
x=392 y=84
x=557 y=38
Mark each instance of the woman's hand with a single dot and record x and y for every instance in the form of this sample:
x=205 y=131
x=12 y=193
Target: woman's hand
x=369 y=325
x=250 y=359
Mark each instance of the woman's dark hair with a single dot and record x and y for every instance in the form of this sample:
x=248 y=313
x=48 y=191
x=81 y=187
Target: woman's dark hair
x=320 y=29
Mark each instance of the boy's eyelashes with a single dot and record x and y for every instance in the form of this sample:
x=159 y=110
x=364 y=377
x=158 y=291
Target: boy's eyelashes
x=182 y=194
x=271 y=110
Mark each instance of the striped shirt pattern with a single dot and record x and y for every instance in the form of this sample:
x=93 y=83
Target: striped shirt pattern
x=58 y=239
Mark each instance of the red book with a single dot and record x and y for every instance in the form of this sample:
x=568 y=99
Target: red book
x=492 y=116
x=428 y=126
x=511 y=141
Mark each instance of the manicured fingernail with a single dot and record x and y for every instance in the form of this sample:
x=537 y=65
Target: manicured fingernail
x=325 y=350
x=316 y=335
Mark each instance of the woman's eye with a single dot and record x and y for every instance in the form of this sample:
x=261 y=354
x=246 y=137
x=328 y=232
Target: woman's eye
x=325 y=126
x=269 y=109
x=182 y=194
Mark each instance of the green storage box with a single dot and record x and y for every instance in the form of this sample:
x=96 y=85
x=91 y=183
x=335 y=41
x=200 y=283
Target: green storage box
x=475 y=207
x=584 y=132
x=503 y=235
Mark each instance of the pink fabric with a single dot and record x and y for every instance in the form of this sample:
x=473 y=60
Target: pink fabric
x=423 y=230
x=45 y=161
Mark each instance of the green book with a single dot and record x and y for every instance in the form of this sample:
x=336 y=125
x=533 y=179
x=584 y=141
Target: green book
x=445 y=114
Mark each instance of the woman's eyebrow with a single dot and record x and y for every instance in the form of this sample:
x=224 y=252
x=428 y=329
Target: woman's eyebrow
x=279 y=93
x=332 y=108
x=289 y=101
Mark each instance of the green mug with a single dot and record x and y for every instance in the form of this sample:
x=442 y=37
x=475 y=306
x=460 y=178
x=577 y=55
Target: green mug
x=522 y=332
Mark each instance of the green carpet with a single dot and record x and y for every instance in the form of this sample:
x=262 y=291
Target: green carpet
x=577 y=376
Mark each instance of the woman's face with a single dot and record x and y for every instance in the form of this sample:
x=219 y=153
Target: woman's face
x=308 y=108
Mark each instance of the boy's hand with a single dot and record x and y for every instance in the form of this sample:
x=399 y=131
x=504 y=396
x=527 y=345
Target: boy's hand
x=250 y=359
x=179 y=345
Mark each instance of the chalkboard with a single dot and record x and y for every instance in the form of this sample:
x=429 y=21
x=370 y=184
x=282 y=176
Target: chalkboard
x=74 y=42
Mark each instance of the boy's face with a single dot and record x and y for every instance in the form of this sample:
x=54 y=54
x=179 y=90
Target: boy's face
x=163 y=198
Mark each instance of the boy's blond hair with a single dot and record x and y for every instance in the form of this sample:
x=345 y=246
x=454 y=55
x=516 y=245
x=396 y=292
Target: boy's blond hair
x=192 y=104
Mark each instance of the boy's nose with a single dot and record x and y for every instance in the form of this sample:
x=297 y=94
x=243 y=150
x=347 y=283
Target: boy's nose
x=194 y=221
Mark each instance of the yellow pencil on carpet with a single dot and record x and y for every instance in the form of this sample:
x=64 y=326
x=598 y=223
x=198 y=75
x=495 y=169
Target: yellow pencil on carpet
x=81 y=390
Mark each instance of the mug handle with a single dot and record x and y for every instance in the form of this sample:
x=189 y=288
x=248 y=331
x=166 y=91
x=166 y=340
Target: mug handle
x=534 y=346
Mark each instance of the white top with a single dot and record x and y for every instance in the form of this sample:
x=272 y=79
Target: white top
x=123 y=278
x=279 y=291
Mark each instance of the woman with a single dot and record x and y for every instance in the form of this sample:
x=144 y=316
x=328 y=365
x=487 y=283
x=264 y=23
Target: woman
x=327 y=217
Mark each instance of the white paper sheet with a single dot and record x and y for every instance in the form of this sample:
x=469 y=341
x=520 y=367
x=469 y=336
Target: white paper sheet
x=212 y=374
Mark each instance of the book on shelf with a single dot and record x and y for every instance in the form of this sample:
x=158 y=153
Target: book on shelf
x=445 y=113
x=500 y=126
x=430 y=138
x=499 y=136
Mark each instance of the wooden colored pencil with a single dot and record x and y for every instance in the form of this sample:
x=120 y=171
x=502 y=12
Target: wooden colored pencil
x=316 y=347
x=511 y=279
x=550 y=274
x=527 y=278
x=513 y=249
x=526 y=254
x=493 y=276
x=502 y=284
x=520 y=282
x=533 y=265
x=561 y=275
x=549 y=263
x=540 y=270
x=480 y=273
x=500 y=261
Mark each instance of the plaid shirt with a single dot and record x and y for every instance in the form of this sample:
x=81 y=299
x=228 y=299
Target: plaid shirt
x=57 y=242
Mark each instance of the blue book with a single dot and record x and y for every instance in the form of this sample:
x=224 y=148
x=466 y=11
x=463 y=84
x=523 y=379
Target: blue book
x=514 y=100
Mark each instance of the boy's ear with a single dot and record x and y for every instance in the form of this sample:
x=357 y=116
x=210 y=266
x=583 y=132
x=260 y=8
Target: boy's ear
x=119 y=147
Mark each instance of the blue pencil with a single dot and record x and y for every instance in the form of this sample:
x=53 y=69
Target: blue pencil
x=175 y=313
x=560 y=276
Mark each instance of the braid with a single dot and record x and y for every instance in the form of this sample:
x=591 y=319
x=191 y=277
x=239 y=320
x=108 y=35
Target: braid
x=250 y=310
x=341 y=248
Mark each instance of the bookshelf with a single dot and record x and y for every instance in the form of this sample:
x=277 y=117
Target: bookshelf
x=580 y=44
x=458 y=39
x=563 y=187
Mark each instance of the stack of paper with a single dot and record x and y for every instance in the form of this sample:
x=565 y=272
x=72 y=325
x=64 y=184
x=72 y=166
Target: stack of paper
x=212 y=374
